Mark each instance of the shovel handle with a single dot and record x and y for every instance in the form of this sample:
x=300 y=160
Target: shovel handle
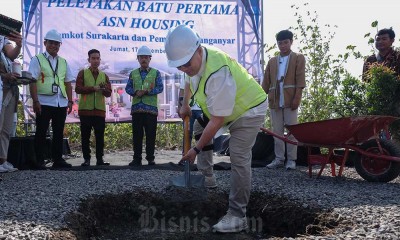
x=186 y=137
x=186 y=147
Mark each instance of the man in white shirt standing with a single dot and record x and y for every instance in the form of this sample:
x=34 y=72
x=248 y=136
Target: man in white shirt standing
x=284 y=80
x=52 y=98
x=229 y=98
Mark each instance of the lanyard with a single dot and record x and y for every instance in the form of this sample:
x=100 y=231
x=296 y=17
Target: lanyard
x=54 y=70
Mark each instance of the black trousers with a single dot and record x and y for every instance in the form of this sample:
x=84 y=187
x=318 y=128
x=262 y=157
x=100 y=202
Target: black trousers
x=144 y=123
x=57 y=116
x=98 y=124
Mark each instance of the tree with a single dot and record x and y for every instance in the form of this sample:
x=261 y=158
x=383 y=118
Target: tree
x=324 y=71
x=351 y=99
x=382 y=91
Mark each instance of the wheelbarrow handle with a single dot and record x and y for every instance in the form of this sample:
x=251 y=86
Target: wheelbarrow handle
x=285 y=139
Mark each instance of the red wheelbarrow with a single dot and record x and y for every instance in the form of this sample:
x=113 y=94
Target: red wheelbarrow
x=377 y=158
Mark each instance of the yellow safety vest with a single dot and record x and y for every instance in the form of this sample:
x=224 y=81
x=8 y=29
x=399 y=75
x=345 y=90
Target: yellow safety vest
x=50 y=76
x=94 y=100
x=147 y=84
x=248 y=92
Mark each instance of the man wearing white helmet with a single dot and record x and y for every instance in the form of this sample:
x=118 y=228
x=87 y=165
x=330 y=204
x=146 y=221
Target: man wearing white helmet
x=52 y=98
x=143 y=85
x=230 y=98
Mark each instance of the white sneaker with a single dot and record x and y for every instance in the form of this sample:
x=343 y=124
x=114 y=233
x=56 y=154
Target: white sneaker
x=9 y=167
x=3 y=169
x=230 y=223
x=276 y=164
x=210 y=181
x=290 y=165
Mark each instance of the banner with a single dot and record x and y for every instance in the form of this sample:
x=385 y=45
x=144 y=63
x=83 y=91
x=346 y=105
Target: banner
x=119 y=28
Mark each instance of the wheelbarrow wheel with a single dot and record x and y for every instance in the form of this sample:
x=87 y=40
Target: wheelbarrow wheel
x=375 y=169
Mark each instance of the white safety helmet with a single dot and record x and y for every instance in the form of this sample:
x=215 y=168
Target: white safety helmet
x=144 y=51
x=53 y=35
x=180 y=45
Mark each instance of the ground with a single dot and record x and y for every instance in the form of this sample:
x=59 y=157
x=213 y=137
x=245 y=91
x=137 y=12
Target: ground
x=117 y=217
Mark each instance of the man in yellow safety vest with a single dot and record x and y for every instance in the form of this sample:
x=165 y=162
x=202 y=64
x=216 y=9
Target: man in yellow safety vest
x=93 y=86
x=52 y=98
x=144 y=84
x=231 y=99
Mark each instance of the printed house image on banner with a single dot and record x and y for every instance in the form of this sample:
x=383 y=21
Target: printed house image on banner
x=119 y=104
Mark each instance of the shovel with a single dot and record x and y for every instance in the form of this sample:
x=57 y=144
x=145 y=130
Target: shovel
x=187 y=187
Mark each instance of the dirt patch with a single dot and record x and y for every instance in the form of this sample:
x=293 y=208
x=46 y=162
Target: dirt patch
x=63 y=234
x=146 y=215
x=185 y=194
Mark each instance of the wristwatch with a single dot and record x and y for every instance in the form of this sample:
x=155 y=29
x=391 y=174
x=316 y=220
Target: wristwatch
x=196 y=150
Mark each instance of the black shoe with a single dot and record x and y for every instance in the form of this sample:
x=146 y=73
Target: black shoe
x=102 y=163
x=86 y=163
x=151 y=163
x=136 y=163
x=61 y=164
x=39 y=166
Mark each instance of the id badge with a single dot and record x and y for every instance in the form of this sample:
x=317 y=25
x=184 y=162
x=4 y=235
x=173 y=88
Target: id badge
x=55 y=88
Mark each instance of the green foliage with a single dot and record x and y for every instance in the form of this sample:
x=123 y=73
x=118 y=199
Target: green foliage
x=377 y=96
x=118 y=136
x=382 y=91
x=371 y=36
x=169 y=136
x=21 y=131
x=73 y=133
x=331 y=91
x=324 y=71
x=374 y=24
x=351 y=100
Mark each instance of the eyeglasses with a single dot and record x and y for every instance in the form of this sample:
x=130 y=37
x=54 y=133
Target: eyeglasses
x=186 y=65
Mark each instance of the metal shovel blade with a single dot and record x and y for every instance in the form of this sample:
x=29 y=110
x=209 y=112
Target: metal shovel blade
x=187 y=180
x=186 y=188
